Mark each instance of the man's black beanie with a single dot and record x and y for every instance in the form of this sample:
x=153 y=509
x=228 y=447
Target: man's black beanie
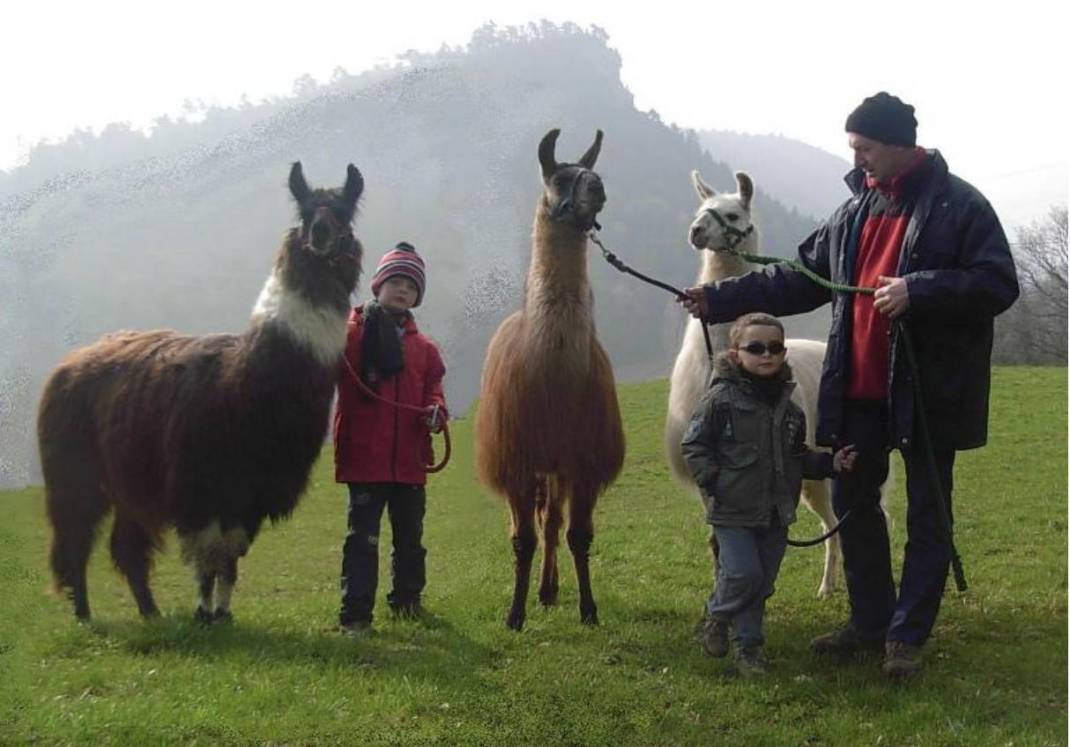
x=884 y=118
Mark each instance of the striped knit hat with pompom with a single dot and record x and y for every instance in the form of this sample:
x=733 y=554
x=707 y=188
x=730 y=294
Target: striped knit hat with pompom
x=401 y=260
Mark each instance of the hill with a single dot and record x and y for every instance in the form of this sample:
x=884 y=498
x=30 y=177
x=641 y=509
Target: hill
x=178 y=228
x=803 y=177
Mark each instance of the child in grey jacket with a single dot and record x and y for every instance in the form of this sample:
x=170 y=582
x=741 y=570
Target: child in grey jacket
x=745 y=447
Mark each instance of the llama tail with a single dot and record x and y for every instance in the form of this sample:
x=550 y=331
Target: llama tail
x=75 y=500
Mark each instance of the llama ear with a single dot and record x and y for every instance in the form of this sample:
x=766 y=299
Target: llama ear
x=591 y=155
x=705 y=191
x=546 y=153
x=746 y=188
x=298 y=186
x=354 y=186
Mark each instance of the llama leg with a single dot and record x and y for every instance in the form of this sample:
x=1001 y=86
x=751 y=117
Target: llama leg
x=580 y=534
x=523 y=537
x=131 y=550
x=71 y=545
x=815 y=494
x=224 y=587
x=548 y=512
x=196 y=550
x=74 y=513
x=205 y=586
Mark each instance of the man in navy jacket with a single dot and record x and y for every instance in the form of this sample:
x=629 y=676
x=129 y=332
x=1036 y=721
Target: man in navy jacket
x=935 y=251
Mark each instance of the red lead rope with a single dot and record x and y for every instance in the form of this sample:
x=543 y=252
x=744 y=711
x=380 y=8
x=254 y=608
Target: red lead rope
x=421 y=410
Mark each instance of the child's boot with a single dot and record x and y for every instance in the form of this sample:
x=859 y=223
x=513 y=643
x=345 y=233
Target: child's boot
x=750 y=661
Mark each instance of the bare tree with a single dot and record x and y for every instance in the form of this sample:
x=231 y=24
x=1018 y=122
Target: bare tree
x=1042 y=270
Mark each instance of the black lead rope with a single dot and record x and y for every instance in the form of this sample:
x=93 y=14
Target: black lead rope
x=617 y=262
x=734 y=236
x=930 y=458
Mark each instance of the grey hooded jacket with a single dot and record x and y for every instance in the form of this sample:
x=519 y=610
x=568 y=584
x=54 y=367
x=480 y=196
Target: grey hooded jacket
x=748 y=457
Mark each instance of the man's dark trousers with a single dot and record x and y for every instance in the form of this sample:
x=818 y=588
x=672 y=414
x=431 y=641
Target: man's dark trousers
x=876 y=610
x=360 y=554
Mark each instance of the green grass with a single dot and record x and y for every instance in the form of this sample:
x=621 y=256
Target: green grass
x=996 y=668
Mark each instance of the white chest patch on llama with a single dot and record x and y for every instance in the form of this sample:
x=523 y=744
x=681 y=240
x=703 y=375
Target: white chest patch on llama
x=321 y=330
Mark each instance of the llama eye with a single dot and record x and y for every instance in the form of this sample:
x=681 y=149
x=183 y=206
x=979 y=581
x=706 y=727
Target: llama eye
x=732 y=217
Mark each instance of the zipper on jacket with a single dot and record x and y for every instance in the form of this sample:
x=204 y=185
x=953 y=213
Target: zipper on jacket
x=397 y=427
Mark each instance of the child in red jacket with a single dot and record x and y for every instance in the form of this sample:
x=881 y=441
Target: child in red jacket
x=381 y=451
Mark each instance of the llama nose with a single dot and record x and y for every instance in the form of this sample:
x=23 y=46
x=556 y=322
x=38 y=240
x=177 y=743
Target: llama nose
x=696 y=235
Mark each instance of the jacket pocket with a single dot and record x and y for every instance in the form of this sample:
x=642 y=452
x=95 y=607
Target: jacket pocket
x=739 y=481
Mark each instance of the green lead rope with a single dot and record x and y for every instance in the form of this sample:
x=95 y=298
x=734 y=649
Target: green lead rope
x=800 y=267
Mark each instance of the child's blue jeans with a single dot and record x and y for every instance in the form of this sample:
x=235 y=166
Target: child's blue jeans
x=748 y=561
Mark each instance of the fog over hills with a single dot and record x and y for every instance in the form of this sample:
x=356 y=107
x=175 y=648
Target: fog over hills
x=800 y=175
x=178 y=229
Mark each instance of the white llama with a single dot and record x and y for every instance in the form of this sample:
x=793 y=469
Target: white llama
x=691 y=371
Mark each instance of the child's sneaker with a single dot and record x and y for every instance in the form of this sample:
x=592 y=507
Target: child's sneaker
x=751 y=661
x=356 y=628
x=411 y=611
x=715 y=637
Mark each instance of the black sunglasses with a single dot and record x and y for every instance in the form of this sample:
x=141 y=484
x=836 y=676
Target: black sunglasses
x=760 y=348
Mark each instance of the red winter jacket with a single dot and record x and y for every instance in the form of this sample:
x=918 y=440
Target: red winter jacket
x=378 y=442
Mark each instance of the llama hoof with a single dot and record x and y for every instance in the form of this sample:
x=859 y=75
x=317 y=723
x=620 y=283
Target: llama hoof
x=203 y=616
x=548 y=599
x=589 y=618
x=222 y=616
x=514 y=621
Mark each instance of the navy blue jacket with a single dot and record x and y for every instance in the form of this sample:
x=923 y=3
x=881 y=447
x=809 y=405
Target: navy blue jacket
x=959 y=274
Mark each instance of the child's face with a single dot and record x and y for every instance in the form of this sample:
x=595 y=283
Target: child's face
x=760 y=351
x=398 y=293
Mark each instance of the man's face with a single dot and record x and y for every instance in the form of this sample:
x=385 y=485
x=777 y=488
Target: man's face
x=879 y=160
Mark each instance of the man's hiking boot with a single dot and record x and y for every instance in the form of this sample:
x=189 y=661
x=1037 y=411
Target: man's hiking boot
x=750 y=661
x=846 y=641
x=715 y=637
x=901 y=659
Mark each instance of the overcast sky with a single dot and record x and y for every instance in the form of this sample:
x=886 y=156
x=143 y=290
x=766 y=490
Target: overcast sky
x=988 y=79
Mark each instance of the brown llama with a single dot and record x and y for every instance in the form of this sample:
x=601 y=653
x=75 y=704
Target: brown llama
x=210 y=435
x=548 y=430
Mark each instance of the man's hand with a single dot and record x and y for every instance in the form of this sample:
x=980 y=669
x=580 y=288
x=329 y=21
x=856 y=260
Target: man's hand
x=891 y=298
x=844 y=459
x=695 y=302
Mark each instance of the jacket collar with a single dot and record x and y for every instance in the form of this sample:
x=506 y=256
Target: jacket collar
x=934 y=167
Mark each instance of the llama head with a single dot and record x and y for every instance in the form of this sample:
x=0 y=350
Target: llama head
x=326 y=214
x=573 y=192
x=723 y=219
x=322 y=255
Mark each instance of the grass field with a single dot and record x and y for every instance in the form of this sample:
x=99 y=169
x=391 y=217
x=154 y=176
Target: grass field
x=996 y=669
